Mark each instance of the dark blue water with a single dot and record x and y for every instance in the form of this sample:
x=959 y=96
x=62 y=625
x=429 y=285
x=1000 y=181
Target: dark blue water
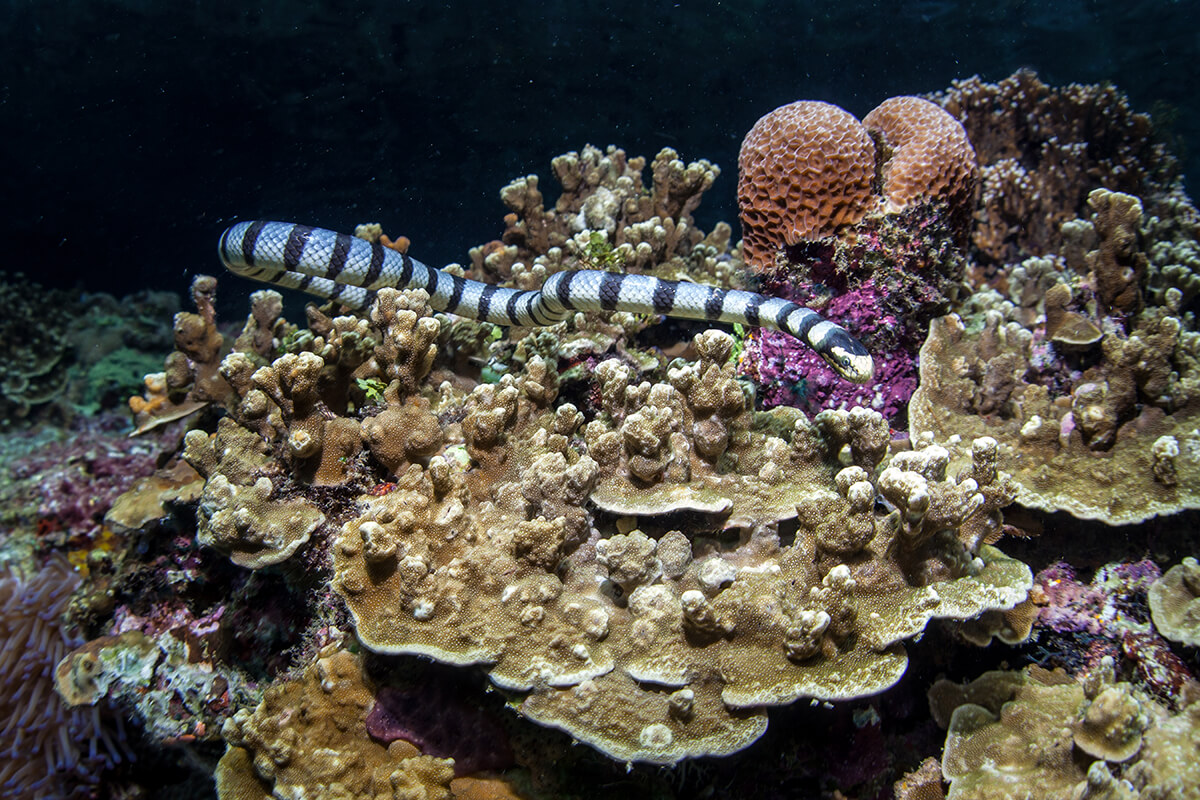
x=133 y=131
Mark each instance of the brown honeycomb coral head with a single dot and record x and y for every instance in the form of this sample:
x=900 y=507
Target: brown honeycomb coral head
x=804 y=170
x=926 y=157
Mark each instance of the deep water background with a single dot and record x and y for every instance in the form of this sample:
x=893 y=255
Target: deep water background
x=133 y=132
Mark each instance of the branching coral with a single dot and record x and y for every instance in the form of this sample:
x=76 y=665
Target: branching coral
x=1109 y=439
x=189 y=380
x=1173 y=229
x=1085 y=456
x=1095 y=392
x=607 y=217
x=1042 y=150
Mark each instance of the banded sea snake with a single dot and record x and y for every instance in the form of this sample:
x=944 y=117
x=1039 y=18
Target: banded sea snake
x=349 y=270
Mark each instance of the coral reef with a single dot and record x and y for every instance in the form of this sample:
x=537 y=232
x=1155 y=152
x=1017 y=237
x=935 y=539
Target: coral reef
x=1100 y=607
x=64 y=355
x=1103 y=425
x=807 y=172
x=36 y=348
x=1044 y=734
x=168 y=683
x=308 y=738
x=1078 y=625
x=1175 y=603
x=1082 y=361
x=481 y=547
x=56 y=485
x=1042 y=150
x=607 y=535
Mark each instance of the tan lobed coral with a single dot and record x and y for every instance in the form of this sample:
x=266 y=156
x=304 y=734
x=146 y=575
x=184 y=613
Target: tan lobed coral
x=1087 y=452
x=1175 y=603
x=308 y=738
x=501 y=537
x=241 y=512
x=617 y=637
x=1043 y=734
x=607 y=217
x=808 y=169
x=1093 y=394
x=189 y=380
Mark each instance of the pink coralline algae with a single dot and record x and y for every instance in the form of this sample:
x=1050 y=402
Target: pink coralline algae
x=884 y=280
x=170 y=592
x=67 y=484
x=440 y=724
x=174 y=616
x=1108 y=617
x=789 y=373
x=1103 y=607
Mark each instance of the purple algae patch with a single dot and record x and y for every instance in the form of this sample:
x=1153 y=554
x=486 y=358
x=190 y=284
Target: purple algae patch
x=441 y=725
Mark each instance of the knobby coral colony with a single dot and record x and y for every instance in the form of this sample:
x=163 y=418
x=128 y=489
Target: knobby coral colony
x=639 y=554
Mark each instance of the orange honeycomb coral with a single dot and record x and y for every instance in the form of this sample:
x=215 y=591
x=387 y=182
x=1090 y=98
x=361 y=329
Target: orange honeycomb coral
x=807 y=169
x=931 y=158
x=804 y=170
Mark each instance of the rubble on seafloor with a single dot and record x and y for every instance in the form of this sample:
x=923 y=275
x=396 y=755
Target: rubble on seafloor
x=649 y=535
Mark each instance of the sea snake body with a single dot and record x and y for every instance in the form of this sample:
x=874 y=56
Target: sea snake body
x=349 y=270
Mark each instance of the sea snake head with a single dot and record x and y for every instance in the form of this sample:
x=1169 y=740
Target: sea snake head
x=849 y=358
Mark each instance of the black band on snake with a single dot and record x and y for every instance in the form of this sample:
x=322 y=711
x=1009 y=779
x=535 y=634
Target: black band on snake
x=349 y=270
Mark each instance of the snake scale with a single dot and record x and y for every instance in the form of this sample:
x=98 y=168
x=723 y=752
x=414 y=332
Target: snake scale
x=349 y=270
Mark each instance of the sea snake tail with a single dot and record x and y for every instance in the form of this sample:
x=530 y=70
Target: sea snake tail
x=350 y=270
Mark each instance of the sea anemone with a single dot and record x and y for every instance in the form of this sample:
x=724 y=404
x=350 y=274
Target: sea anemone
x=47 y=750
